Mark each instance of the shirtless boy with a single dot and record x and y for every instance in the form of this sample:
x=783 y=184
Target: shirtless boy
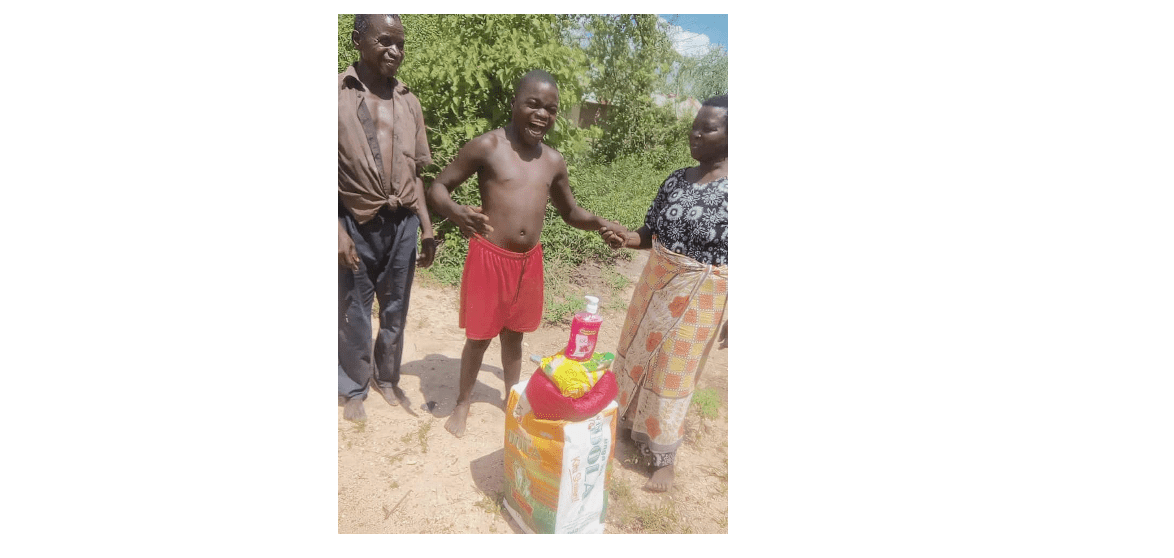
x=501 y=287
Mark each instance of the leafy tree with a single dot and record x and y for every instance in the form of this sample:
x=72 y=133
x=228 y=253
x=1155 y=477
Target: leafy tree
x=701 y=77
x=630 y=55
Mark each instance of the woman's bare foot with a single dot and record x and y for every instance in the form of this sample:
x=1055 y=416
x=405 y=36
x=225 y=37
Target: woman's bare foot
x=661 y=480
x=353 y=410
x=456 y=423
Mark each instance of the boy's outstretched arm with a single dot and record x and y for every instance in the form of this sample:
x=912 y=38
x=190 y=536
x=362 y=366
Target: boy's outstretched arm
x=575 y=216
x=469 y=219
x=639 y=239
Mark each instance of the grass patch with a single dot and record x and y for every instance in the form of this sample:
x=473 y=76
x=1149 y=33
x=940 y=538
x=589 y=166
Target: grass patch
x=706 y=401
x=561 y=297
x=422 y=435
x=393 y=459
x=619 y=491
x=491 y=505
x=615 y=280
x=655 y=519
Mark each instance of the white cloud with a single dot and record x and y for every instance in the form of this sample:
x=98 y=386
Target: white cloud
x=687 y=43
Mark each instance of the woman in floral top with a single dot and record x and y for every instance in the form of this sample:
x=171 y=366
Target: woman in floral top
x=678 y=311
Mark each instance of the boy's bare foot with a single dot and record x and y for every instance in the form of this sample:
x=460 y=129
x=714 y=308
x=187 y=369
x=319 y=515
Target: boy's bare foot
x=456 y=423
x=661 y=480
x=353 y=410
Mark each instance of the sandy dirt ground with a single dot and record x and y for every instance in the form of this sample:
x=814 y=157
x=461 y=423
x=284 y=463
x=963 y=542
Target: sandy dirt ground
x=402 y=472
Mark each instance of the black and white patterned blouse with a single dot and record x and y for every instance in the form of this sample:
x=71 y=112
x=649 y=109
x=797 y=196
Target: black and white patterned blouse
x=691 y=219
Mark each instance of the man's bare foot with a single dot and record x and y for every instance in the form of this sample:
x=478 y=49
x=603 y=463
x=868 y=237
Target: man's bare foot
x=389 y=394
x=395 y=396
x=456 y=423
x=353 y=410
x=661 y=480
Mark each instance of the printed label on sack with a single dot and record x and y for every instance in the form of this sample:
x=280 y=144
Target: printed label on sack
x=583 y=496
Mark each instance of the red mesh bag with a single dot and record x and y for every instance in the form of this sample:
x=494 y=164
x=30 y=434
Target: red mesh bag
x=548 y=403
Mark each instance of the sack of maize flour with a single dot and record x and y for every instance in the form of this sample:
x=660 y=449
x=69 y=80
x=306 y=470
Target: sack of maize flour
x=557 y=471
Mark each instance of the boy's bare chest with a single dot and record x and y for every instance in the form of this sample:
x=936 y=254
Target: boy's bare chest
x=508 y=172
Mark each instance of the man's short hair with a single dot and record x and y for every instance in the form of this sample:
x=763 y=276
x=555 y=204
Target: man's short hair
x=363 y=21
x=535 y=75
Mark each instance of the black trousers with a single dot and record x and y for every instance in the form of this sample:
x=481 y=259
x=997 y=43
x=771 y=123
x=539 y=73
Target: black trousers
x=387 y=264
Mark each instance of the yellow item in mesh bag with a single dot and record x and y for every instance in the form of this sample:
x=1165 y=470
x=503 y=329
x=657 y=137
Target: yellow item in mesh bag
x=573 y=378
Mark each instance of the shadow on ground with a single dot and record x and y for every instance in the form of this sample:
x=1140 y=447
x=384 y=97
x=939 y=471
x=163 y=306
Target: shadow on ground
x=487 y=474
x=440 y=381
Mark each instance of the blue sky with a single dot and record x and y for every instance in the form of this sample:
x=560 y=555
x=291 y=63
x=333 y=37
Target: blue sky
x=699 y=30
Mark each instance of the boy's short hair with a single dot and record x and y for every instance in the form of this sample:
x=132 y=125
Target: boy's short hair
x=535 y=75
x=363 y=21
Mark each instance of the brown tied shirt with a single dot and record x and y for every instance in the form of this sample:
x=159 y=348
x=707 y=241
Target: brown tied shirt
x=362 y=188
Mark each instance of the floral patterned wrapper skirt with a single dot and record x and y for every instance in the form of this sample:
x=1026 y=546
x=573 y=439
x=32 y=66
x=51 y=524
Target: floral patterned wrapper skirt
x=675 y=316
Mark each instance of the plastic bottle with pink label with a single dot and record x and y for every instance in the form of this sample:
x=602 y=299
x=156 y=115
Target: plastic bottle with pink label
x=584 y=331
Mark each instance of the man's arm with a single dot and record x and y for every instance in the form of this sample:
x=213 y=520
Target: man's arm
x=427 y=240
x=423 y=158
x=348 y=256
x=467 y=162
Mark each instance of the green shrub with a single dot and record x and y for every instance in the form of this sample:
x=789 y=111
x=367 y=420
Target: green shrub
x=706 y=401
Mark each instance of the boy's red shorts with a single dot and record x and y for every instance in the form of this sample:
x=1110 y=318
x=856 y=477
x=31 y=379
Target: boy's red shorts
x=500 y=289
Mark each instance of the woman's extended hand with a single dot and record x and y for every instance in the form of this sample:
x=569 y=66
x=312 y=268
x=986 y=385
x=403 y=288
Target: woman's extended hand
x=614 y=234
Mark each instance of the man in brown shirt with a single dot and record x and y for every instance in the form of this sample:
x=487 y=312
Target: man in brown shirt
x=382 y=149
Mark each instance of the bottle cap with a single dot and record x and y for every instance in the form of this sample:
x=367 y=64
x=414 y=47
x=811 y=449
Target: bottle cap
x=592 y=304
